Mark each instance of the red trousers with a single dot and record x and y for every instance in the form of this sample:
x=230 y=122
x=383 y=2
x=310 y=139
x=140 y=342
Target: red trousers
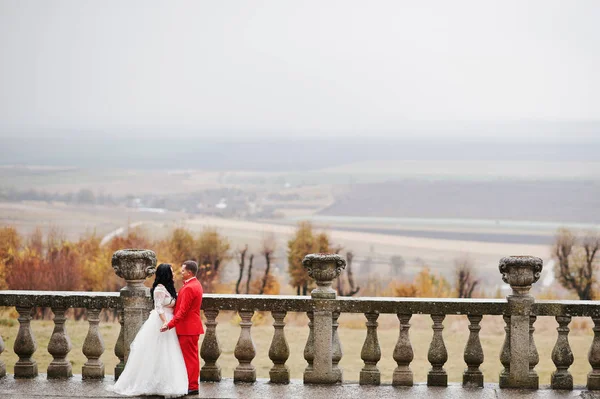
x=189 y=347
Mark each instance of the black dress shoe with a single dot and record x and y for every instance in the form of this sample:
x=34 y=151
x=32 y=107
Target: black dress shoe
x=193 y=392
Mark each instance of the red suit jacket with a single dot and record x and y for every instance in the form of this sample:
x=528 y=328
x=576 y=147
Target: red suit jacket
x=186 y=319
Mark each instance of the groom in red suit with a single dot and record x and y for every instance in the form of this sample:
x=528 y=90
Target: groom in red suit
x=187 y=322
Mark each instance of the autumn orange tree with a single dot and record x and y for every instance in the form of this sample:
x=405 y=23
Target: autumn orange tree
x=427 y=284
x=303 y=243
x=10 y=244
x=41 y=265
x=181 y=245
x=212 y=251
x=96 y=268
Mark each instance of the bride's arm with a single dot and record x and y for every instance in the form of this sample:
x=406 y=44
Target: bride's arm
x=159 y=296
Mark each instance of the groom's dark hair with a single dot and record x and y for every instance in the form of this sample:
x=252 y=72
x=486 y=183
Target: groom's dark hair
x=191 y=266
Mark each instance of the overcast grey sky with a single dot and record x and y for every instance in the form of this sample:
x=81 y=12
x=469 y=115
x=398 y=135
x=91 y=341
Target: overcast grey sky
x=302 y=67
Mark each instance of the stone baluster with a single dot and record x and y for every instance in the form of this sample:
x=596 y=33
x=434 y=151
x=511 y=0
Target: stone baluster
x=25 y=345
x=562 y=356
x=371 y=353
x=593 y=378
x=245 y=350
x=210 y=350
x=473 y=356
x=403 y=354
x=309 y=348
x=120 y=348
x=59 y=346
x=324 y=268
x=279 y=352
x=503 y=380
x=437 y=355
x=534 y=358
x=521 y=272
x=134 y=265
x=2 y=365
x=336 y=348
x=93 y=348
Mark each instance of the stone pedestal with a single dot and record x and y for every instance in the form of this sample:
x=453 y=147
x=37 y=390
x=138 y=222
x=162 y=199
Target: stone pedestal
x=134 y=265
x=324 y=268
x=520 y=272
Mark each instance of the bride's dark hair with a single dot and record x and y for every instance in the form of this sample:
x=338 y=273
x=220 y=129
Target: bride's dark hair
x=164 y=276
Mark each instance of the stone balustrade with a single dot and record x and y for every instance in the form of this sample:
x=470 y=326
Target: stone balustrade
x=323 y=350
x=60 y=344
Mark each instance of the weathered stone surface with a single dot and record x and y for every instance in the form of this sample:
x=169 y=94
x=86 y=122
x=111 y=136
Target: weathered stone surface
x=403 y=354
x=503 y=380
x=134 y=265
x=327 y=348
x=309 y=348
x=336 y=348
x=371 y=353
x=473 y=356
x=279 y=351
x=593 y=378
x=562 y=356
x=59 y=347
x=322 y=367
x=2 y=364
x=292 y=303
x=321 y=350
x=437 y=355
x=120 y=347
x=210 y=349
x=245 y=351
x=93 y=348
x=76 y=388
x=324 y=268
x=58 y=299
x=521 y=272
x=25 y=345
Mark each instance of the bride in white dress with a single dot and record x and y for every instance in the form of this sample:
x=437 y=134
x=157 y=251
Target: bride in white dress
x=155 y=364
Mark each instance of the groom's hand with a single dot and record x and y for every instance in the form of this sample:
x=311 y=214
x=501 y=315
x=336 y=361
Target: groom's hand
x=164 y=327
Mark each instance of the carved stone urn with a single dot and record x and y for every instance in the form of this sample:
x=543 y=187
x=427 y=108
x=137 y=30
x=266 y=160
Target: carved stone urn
x=134 y=265
x=324 y=268
x=520 y=272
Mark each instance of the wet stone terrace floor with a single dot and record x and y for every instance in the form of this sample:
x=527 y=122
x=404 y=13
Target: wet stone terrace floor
x=41 y=387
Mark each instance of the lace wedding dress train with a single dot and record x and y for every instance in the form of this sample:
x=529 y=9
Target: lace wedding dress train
x=155 y=364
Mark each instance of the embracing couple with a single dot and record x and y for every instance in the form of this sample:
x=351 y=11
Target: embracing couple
x=163 y=358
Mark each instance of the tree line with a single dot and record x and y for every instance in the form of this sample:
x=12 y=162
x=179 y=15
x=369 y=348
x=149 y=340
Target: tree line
x=50 y=261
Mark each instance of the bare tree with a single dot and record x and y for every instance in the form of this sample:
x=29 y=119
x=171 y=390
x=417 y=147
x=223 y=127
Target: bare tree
x=353 y=289
x=242 y=263
x=250 y=261
x=268 y=250
x=576 y=264
x=465 y=279
x=398 y=264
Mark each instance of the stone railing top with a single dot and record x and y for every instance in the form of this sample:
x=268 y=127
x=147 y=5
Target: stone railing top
x=67 y=299
x=293 y=303
x=448 y=306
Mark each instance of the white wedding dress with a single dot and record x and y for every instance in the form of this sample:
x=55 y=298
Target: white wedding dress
x=155 y=364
